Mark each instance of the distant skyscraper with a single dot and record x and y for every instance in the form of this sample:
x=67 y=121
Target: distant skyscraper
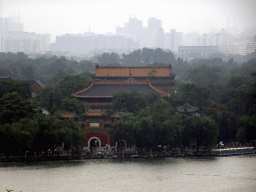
x=90 y=42
x=154 y=23
x=133 y=28
x=155 y=33
x=8 y=25
x=173 y=40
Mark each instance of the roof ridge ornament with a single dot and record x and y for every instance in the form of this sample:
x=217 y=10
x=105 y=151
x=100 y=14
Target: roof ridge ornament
x=130 y=80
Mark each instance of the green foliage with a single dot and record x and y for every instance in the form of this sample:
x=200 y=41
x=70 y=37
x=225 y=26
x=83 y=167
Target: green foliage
x=40 y=134
x=147 y=57
x=225 y=120
x=22 y=129
x=203 y=72
x=152 y=126
x=159 y=124
x=18 y=137
x=237 y=95
x=74 y=105
x=193 y=94
x=203 y=130
x=124 y=129
x=108 y=58
x=28 y=73
x=246 y=69
x=52 y=97
x=128 y=102
x=10 y=85
x=49 y=69
x=13 y=108
x=71 y=84
x=247 y=128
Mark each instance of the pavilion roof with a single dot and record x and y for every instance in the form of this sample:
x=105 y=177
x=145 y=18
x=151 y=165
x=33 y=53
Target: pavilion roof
x=187 y=108
x=109 y=89
x=133 y=71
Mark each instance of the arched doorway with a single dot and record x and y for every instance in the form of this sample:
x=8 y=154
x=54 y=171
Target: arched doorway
x=94 y=142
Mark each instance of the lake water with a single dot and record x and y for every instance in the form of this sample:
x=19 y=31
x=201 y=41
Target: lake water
x=235 y=173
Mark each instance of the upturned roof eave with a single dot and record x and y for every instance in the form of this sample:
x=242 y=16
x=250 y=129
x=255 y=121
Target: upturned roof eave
x=129 y=81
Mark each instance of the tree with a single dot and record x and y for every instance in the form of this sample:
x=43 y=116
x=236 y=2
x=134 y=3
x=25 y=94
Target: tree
x=10 y=85
x=71 y=84
x=247 y=128
x=28 y=73
x=130 y=102
x=225 y=119
x=13 y=108
x=146 y=57
x=52 y=132
x=18 y=137
x=108 y=58
x=194 y=95
x=145 y=133
x=157 y=124
x=124 y=129
x=204 y=131
x=76 y=136
x=52 y=97
x=246 y=69
x=237 y=95
x=74 y=105
x=40 y=134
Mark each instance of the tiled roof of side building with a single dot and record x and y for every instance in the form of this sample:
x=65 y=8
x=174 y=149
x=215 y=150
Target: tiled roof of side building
x=40 y=83
x=133 y=71
x=66 y=115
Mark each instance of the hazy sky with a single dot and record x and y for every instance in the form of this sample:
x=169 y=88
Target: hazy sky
x=58 y=17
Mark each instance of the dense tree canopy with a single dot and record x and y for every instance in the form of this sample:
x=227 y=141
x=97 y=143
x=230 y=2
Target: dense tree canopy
x=52 y=97
x=10 y=85
x=50 y=70
x=40 y=134
x=108 y=58
x=159 y=124
x=13 y=108
x=147 y=56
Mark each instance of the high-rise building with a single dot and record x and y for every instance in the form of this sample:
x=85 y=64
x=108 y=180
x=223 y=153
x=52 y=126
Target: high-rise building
x=135 y=29
x=87 y=43
x=154 y=23
x=14 y=39
x=20 y=41
x=155 y=33
x=173 y=40
x=7 y=25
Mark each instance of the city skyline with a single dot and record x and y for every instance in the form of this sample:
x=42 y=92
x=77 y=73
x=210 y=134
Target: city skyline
x=103 y=16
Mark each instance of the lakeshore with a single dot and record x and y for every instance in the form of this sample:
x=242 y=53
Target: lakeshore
x=129 y=153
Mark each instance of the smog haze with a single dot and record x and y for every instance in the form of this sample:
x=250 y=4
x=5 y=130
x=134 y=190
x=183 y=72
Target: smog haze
x=102 y=16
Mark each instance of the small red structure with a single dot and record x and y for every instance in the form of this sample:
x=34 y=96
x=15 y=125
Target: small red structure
x=36 y=87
